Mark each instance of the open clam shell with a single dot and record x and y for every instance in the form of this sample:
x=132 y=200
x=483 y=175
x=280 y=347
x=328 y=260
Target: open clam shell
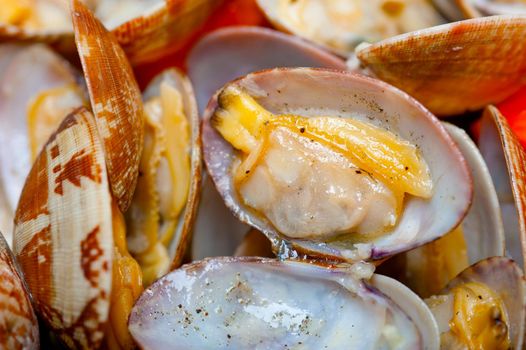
x=265 y=303
x=505 y=279
x=46 y=70
x=63 y=233
x=507 y=163
x=341 y=25
x=115 y=99
x=18 y=323
x=313 y=92
x=474 y=63
x=178 y=245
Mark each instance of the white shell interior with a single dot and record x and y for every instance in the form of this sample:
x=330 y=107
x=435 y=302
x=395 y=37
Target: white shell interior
x=261 y=304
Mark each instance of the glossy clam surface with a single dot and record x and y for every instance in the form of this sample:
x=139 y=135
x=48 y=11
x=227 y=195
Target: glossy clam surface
x=264 y=303
x=312 y=92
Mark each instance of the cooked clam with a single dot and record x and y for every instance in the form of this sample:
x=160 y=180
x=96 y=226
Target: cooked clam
x=484 y=307
x=342 y=25
x=161 y=215
x=263 y=303
x=285 y=153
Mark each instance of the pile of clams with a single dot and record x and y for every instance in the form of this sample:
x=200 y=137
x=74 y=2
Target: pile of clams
x=289 y=186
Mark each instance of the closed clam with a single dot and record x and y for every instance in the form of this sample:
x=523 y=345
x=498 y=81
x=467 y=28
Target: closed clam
x=269 y=185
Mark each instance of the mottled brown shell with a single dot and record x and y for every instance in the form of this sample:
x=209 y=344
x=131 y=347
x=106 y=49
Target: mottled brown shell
x=18 y=323
x=115 y=99
x=63 y=233
x=164 y=29
x=455 y=67
x=515 y=158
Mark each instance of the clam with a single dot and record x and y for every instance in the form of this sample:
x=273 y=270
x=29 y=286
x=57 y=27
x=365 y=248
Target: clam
x=146 y=29
x=484 y=307
x=265 y=136
x=474 y=63
x=342 y=25
x=18 y=323
x=427 y=269
x=30 y=109
x=506 y=160
x=161 y=215
x=264 y=303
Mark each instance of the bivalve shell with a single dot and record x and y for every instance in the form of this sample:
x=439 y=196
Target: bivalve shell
x=63 y=233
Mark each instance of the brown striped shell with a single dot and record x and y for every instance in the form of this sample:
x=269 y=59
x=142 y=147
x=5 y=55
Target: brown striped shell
x=506 y=159
x=115 y=99
x=63 y=238
x=163 y=29
x=18 y=323
x=456 y=67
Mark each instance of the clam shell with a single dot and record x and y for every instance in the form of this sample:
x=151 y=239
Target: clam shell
x=183 y=235
x=456 y=67
x=507 y=163
x=63 y=233
x=478 y=8
x=115 y=99
x=18 y=323
x=482 y=226
x=306 y=92
x=163 y=29
x=235 y=51
x=506 y=279
x=47 y=70
x=266 y=303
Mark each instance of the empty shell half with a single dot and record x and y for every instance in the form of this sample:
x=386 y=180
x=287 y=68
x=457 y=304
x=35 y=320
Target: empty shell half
x=333 y=164
x=262 y=303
